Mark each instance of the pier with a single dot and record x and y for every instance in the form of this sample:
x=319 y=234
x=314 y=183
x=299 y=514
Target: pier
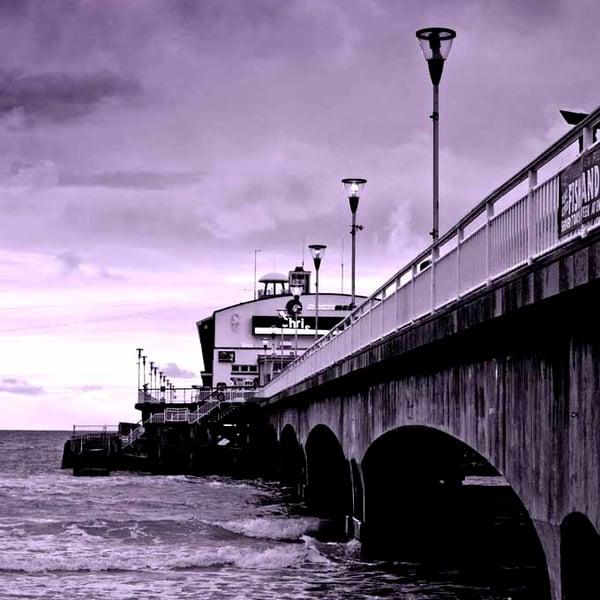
x=480 y=355
x=194 y=431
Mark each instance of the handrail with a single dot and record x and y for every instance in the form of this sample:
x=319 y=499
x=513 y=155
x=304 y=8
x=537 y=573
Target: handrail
x=459 y=262
x=212 y=401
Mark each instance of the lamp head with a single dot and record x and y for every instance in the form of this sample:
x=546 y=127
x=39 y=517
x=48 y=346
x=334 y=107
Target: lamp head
x=317 y=251
x=353 y=187
x=435 y=43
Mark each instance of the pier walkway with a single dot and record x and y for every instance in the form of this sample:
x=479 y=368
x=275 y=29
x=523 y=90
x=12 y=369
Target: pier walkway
x=486 y=345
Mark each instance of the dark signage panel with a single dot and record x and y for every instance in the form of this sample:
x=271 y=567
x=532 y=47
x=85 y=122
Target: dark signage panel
x=579 y=199
x=262 y=325
x=226 y=356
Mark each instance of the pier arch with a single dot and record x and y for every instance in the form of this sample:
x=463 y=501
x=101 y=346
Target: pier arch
x=430 y=498
x=579 y=558
x=293 y=461
x=329 y=484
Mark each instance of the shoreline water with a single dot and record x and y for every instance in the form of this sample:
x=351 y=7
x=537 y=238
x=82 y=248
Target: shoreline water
x=168 y=537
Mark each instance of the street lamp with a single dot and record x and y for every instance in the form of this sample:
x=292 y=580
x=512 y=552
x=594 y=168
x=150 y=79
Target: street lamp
x=151 y=374
x=282 y=313
x=139 y=358
x=435 y=43
x=317 y=251
x=295 y=310
x=353 y=187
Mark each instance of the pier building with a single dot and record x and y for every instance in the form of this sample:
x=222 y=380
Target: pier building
x=246 y=344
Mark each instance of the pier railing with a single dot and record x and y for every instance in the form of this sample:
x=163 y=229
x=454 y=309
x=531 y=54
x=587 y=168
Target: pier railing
x=207 y=404
x=99 y=436
x=181 y=395
x=513 y=226
x=196 y=395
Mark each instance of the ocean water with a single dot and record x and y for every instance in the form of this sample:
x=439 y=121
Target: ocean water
x=130 y=536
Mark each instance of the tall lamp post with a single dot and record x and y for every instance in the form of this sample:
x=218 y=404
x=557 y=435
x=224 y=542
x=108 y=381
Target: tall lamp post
x=435 y=43
x=353 y=187
x=139 y=358
x=294 y=309
x=144 y=372
x=282 y=314
x=317 y=251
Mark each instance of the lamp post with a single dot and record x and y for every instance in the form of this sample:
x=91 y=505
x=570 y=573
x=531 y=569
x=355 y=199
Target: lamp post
x=295 y=310
x=282 y=313
x=435 y=43
x=353 y=187
x=317 y=251
x=139 y=358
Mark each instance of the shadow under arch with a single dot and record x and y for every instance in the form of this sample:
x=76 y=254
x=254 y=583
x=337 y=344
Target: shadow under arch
x=427 y=501
x=292 y=461
x=579 y=558
x=329 y=486
x=265 y=449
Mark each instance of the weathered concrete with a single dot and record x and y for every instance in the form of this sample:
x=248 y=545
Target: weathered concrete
x=513 y=371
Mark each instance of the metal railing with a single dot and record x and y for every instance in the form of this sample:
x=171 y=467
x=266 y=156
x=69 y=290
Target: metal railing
x=511 y=227
x=207 y=403
x=85 y=436
x=183 y=395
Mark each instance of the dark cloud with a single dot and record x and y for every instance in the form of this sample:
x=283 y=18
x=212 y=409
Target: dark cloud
x=19 y=386
x=61 y=96
x=70 y=261
x=176 y=372
x=139 y=180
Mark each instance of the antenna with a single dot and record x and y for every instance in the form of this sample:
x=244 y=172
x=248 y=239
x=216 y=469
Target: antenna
x=303 y=246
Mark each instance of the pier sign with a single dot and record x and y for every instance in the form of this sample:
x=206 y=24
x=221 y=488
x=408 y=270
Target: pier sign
x=579 y=192
x=263 y=325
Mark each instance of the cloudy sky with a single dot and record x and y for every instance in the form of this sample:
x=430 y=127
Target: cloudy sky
x=149 y=147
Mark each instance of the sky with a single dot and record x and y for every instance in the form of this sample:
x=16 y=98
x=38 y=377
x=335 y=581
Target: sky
x=151 y=150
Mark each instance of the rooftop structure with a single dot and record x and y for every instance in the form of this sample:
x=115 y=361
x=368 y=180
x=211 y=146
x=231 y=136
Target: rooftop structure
x=247 y=344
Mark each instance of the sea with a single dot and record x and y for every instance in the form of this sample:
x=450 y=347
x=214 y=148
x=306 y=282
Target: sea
x=139 y=536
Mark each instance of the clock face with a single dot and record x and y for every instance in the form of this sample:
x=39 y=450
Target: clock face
x=235 y=321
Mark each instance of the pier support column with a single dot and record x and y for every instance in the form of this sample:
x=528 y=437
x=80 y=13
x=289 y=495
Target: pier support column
x=550 y=539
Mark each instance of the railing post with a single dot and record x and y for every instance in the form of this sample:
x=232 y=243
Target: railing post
x=397 y=304
x=434 y=256
x=460 y=236
x=531 y=217
x=588 y=137
x=383 y=296
x=489 y=214
x=412 y=292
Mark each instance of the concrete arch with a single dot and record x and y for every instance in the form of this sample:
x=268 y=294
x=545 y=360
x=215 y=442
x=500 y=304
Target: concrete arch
x=579 y=558
x=419 y=507
x=329 y=484
x=292 y=460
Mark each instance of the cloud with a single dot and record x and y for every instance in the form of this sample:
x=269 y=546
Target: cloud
x=91 y=388
x=174 y=371
x=60 y=96
x=19 y=386
x=71 y=264
x=140 y=180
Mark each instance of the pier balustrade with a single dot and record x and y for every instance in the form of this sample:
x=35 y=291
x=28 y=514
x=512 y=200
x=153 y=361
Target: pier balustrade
x=515 y=225
x=85 y=436
x=207 y=399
